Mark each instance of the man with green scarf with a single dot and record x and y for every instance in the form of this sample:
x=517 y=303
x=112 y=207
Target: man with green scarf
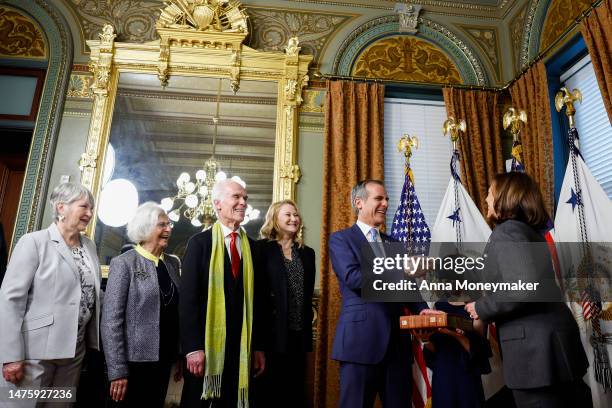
x=220 y=319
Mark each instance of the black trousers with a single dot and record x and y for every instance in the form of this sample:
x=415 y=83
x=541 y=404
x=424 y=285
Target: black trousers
x=193 y=386
x=147 y=384
x=562 y=395
x=283 y=383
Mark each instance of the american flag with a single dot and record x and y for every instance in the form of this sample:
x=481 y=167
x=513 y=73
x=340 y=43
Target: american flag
x=409 y=226
x=517 y=151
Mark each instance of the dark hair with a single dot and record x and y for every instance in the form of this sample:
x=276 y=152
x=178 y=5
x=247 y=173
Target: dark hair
x=516 y=196
x=360 y=190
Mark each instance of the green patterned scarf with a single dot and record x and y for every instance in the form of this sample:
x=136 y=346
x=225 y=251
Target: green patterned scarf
x=214 y=338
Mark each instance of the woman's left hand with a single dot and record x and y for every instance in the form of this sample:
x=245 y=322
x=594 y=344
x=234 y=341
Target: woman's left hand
x=471 y=309
x=118 y=388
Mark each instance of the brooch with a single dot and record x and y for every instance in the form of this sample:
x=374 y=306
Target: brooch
x=142 y=275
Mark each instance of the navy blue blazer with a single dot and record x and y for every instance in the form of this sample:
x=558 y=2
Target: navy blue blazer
x=364 y=329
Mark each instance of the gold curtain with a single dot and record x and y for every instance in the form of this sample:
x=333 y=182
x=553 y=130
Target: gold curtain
x=597 y=32
x=353 y=151
x=480 y=147
x=530 y=92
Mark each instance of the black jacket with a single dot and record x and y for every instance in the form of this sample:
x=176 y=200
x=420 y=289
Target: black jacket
x=540 y=341
x=194 y=296
x=273 y=266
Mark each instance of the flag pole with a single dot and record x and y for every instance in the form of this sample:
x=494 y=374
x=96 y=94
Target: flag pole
x=453 y=128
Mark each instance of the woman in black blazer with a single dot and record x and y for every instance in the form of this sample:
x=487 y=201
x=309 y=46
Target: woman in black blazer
x=289 y=266
x=544 y=360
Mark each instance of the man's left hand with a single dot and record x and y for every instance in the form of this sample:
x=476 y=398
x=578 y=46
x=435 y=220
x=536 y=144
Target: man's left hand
x=259 y=363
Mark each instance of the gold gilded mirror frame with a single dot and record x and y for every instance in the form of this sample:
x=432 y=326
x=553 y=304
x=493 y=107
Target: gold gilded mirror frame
x=202 y=52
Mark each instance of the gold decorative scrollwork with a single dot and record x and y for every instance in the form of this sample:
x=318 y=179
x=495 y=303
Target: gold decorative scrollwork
x=102 y=67
x=88 y=160
x=162 y=65
x=235 y=70
x=291 y=172
x=188 y=51
x=20 y=36
x=80 y=86
x=406 y=58
x=291 y=89
x=216 y=24
x=204 y=15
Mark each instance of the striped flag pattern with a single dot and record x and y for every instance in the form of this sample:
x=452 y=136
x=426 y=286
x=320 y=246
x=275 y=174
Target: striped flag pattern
x=409 y=226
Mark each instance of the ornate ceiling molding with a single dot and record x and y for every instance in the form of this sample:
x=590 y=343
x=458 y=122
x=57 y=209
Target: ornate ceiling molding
x=272 y=28
x=134 y=20
x=531 y=33
x=465 y=59
x=517 y=25
x=487 y=39
x=443 y=7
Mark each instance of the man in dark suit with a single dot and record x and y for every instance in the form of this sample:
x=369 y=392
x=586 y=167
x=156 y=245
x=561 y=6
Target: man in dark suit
x=230 y=202
x=374 y=356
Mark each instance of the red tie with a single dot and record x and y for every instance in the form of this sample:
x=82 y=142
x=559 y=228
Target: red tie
x=235 y=255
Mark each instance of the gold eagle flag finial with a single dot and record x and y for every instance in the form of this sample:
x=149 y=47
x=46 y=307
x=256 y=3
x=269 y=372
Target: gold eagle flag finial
x=512 y=119
x=452 y=127
x=405 y=145
x=566 y=98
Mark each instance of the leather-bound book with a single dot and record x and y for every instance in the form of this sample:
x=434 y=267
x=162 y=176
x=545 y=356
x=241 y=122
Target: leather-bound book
x=434 y=321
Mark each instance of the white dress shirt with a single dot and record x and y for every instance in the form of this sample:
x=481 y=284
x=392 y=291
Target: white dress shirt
x=227 y=234
x=365 y=229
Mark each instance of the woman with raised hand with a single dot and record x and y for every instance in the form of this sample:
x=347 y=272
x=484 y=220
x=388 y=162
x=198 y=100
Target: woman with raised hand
x=544 y=360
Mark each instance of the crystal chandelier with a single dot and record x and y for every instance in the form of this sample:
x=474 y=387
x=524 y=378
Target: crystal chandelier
x=193 y=199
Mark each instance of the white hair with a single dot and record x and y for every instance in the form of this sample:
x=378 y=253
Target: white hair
x=67 y=193
x=144 y=221
x=220 y=188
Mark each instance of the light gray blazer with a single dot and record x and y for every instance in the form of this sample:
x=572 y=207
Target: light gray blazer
x=130 y=316
x=40 y=297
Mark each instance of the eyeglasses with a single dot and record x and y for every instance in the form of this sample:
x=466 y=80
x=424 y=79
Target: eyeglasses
x=163 y=225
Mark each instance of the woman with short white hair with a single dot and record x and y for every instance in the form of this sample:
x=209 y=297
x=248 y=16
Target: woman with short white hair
x=140 y=315
x=50 y=298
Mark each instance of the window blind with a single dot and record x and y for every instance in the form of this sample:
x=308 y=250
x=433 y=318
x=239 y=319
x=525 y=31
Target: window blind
x=430 y=162
x=592 y=122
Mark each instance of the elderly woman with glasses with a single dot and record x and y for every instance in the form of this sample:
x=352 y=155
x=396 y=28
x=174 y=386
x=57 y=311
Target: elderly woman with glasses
x=140 y=314
x=50 y=298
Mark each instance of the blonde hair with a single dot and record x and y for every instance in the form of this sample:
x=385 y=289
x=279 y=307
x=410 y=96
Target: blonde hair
x=271 y=230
